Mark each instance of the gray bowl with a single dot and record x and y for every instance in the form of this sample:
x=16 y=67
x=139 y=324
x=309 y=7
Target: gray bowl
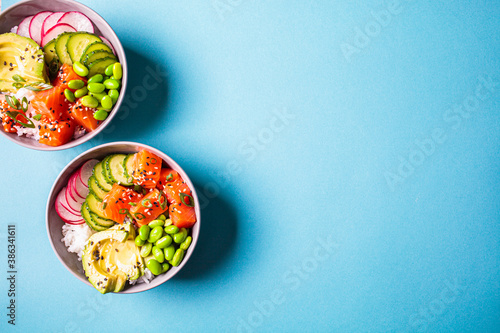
x=54 y=222
x=13 y=15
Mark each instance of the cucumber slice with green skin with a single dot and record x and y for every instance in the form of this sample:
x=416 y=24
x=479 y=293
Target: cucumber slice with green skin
x=95 y=206
x=95 y=55
x=128 y=166
x=99 y=176
x=61 y=50
x=78 y=43
x=98 y=66
x=114 y=167
x=106 y=223
x=95 y=189
x=95 y=46
x=105 y=171
x=88 y=219
x=49 y=51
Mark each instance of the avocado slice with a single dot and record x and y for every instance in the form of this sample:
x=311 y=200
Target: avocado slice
x=111 y=257
x=23 y=57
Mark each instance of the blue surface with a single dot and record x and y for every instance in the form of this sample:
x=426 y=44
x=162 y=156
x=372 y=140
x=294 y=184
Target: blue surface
x=314 y=222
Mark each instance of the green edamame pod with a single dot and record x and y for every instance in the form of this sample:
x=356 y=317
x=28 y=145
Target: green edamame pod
x=96 y=87
x=114 y=94
x=169 y=252
x=111 y=84
x=109 y=70
x=178 y=256
x=144 y=232
x=117 y=70
x=164 y=242
x=139 y=241
x=187 y=242
x=154 y=266
x=155 y=223
x=80 y=69
x=107 y=102
x=180 y=236
x=155 y=234
x=100 y=115
x=69 y=95
x=95 y=79
x=76 y=84
x=81 y=92
x=158 y=254
x=90 y=101
x=165 y=267
x=171 y=229
x=146 y=249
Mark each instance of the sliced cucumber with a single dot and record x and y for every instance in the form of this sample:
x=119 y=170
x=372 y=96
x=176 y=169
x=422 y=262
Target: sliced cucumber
x=62 y=52
x=95 y=189
x=128 y=166
x=98 y=66
x=114 y=167
x=95 y=46
x=99 y=176
x=95 y=55
x=78 y=43
x=88 y=219
x=106 y=223
x=49 y=51
x=105 y=171
x=95 y=206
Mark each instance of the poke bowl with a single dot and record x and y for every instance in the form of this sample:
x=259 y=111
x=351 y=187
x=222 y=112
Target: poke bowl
x=123 y=217
x=63 y=74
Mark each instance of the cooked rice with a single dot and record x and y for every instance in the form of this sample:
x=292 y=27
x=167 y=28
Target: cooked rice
x=75 y=237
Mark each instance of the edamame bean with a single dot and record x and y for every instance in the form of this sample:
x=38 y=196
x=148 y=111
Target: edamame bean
x=80 y=69
x=114 y=94
x=180 y=236
x=164 y=242
x=96 y=87
x=97 y=96
x=178 y=256
x=169 y=252
x=154 y=266
x=146 y=249
x=187 y=242
x=69 y=95
x=109 y=70
x=165 y=267
x=155 y=234
x=117 y=70
x=76 y=84
x=111 y=84
x=139 y=241
x=161 y=217
x=107 y=102
x=171 y=229
x=96 y=79
x=81 y=92
x=158 y=254
x=144 y=232
x=168 y=222
x=155 y=223
x=90 y=101
x=100 y=115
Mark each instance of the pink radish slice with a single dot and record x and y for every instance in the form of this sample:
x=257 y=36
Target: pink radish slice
x=36 y=26
x=70 y=190
x=24 y=27
x=56 y=31
x=82 y=221
x=62 y=211
x=107 y=42
x=51 y=21
x=73 y=204
x=77 y=188
x=77 y=20
x=86 y=171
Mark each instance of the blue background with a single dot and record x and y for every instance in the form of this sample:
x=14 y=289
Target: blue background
x=414 y=249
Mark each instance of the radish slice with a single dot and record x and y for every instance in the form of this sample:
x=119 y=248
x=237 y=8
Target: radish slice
x=77 y=20
x=75 y=178
x=51 y=21
x=86 y=171
x=24 y=27
x=82 y=221
x=73 y=204
x=107 y=42
x=70 y=189
x=56 y=31
x=63 y=212
x=36 y=26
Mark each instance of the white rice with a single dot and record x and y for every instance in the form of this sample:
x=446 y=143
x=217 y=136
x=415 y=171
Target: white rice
x=146 y=278
x=75 y=237
x=14 y=29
